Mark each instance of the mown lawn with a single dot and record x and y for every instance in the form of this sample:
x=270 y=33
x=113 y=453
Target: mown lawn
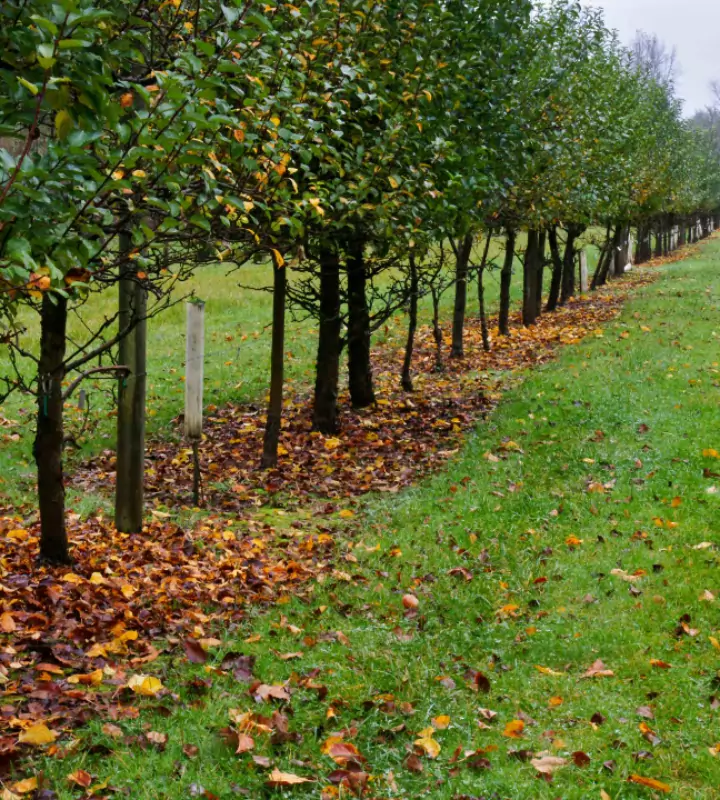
x=579 y=524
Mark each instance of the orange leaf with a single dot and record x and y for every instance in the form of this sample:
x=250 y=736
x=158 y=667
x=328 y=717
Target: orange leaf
x=514 y=729
x=650 y=783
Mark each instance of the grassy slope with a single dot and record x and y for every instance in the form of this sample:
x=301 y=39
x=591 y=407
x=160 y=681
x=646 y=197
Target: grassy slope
x=658 y=367
x=236 y=364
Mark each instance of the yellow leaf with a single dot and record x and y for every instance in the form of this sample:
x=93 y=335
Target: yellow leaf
x=441 y=723
x=127 y=590
x=711 y=454
x=97 y=579
x=393 y=182
x=604 y=795
x=139 y=173
x=37 y=735
x=714 y=642
x=145 y=685
x=548 y=671
x=427 y=744
x=346 y=513
x=279 y=260
x=23 y=787
x=332 y=444
x=63 y=124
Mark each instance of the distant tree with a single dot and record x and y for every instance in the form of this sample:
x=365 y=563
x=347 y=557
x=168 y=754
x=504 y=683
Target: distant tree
x=655 y=59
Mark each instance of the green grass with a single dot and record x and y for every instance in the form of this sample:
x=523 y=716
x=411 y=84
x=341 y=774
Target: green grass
x=633 y=410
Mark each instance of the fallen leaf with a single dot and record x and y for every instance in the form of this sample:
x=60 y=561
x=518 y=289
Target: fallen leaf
x=548 y=764
x=598 y=670
x=81 y=778
x=279 y=779
x=514 y=729
x=650 y=783
x=37 y=735
x=145 y=685
x=245 y=743
x=441 y=723
x=23 y=787
x=194 y=651
x=427 y=744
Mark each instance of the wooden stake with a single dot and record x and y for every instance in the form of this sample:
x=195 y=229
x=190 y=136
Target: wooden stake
x=194 y=369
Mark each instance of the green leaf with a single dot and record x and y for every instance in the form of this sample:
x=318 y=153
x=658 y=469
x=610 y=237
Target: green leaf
x=73 y=44
x=43 y=22
x=45 y=55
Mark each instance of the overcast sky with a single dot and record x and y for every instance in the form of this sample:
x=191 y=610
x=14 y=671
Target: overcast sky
x=692 y=26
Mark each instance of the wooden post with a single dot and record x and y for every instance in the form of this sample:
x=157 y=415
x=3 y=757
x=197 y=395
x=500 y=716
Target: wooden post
x=194 y=367
x=129 y=494
x=584 y=283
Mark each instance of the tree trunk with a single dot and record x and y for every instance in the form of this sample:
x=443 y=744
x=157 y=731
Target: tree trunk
x=464 y=251
x=325 y=411
x=48 y=446
x=557 y=261
x=481 y=295
x=603 y=265
x=277 y=364
x=130 y=465
x=530 y=268
x=506 y=283
x=437 y=331
x=540 y=273
x=406 y=377
x=359 y=366
x=568 y=278
x=658 y=240
x=620 y=251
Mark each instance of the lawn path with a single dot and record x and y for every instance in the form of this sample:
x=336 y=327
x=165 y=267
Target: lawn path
x=539 y=621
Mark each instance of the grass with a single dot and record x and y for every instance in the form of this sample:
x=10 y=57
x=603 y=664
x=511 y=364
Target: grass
x=236 y=366
x=603 y=448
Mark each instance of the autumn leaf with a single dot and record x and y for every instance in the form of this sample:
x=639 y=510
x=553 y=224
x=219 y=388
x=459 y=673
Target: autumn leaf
x=194 y=651
x=427 y=744
x=598 y=670
x=245 y=743
x=145 y=685
x=514 y=729
x=547 y=764
x=81 y=778
x=441 y=723
x=26 y=786
x=279 y=779
x=37 y=735
x=650 y=783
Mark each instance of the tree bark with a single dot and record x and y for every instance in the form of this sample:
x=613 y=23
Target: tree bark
x=506 y=283
x=464 y=251
x=530 y=268
x=325 y=411
x=542 y=246
x=658 y=239
x=603 y=265
x=568 y=279
x=437 y=331
x=359 y=366
x=277 y=366
x=406 y=377
x=130 y=465
x=481 y=295
x=48 y=446
x=556 y=282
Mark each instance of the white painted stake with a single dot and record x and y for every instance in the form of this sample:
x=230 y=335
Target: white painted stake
x=584 y=282
x=194 y=363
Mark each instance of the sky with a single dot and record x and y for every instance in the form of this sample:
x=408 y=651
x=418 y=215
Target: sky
x=692 y=26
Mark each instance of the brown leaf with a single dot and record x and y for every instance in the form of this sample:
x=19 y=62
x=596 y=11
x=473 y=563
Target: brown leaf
x=547 y=764
x=414 y=764
x=598 y=670
x=245 y=743
x=81 y=778
x=194 y=651
x=514 y=729
x=279 y=779
x=581 y=759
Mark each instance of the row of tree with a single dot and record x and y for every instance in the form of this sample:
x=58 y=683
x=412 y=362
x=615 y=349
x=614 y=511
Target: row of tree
x=374 y=148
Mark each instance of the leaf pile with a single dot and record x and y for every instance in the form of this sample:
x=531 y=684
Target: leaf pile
x=386 y=448
x=74 y=632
